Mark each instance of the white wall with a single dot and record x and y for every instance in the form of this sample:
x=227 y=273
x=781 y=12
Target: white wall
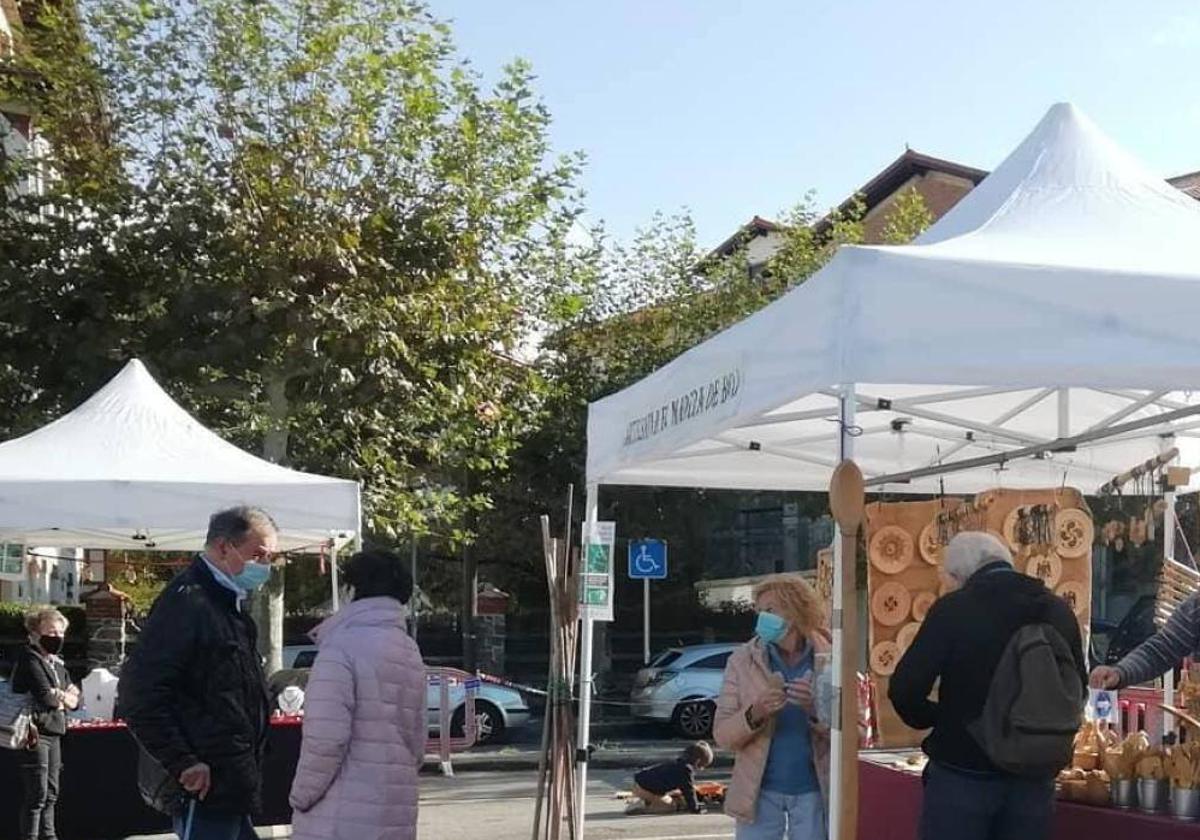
x=762 y=248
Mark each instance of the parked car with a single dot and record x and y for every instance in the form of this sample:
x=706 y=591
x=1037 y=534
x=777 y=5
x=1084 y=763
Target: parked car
x=497 y=709
x=680 y=687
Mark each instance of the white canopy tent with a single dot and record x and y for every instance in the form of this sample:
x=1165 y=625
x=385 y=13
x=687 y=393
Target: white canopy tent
x=131 y=469
x=1056 y=299
x=1059 y=296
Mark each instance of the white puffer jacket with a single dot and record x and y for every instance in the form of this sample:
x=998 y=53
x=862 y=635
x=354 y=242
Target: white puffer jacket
x=364 y=729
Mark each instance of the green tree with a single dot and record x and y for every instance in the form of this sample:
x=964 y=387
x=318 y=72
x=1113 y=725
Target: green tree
x=632 y=308
x=907 y=219
x=308 y=217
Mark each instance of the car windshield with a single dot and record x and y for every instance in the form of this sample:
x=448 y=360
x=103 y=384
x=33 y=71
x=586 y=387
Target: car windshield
x=665 y=658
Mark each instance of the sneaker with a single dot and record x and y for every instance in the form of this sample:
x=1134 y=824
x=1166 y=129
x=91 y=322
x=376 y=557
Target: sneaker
x=635 y=805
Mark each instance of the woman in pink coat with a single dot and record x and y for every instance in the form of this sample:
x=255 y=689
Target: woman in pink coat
x=364 y=719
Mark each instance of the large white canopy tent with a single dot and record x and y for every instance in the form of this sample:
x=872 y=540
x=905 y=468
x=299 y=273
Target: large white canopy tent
x=131 y=469
x=1058 y=298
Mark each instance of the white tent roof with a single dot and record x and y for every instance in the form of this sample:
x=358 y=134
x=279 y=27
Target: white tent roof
x=131 y=469
x=1059 y=296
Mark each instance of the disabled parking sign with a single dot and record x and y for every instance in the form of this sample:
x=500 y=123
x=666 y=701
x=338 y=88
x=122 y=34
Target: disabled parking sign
x=647 y=560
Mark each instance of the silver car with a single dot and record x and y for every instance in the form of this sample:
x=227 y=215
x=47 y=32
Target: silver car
x=680 y=687
x=497 y=708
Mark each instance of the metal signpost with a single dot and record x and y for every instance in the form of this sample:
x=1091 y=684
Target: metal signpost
x=647 y=562
x=595 y=604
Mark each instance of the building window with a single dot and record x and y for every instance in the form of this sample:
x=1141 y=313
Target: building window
x=12 y=561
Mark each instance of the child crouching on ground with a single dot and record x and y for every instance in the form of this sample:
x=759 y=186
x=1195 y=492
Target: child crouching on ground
x=652 y=786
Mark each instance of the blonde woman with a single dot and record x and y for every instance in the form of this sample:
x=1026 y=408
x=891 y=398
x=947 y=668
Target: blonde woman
x=41 y=674
x=766 y=715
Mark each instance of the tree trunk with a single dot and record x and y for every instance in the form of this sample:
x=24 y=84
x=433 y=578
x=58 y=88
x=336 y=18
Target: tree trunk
x=267 y=604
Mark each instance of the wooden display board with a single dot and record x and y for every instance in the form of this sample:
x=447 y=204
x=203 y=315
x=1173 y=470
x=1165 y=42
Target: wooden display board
x=904 y=560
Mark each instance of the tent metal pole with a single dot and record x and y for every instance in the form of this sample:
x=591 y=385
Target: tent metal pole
x=1169 y=525
x=335 y=595
x=1064 y=444
x=1064 y=412
x=585 y=675
x=842 y=681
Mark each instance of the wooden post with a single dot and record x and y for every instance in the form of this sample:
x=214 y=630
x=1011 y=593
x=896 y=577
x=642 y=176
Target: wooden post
x=846 y=501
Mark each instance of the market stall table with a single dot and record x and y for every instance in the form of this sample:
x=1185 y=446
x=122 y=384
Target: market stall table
x=891 y=806
x=99 y=798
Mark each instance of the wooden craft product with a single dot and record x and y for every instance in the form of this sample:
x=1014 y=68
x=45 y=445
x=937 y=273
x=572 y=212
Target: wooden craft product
x=906 y=635
x=1074 y=533
x=891 y=603
x=1073 y=593
x=932 y=551
x=891 y=549
x=1047 y=568
x=920 y=581
x=884 y=657
x=1073 y=570
x=922 y=601
x=847 y=497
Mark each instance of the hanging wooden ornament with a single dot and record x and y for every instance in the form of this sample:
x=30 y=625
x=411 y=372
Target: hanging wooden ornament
x=1073 y=533
x=906 y=635
x=1045 y=567
x=1075 y=594
x=932 y=549
x=891 y=603
x=891 y=549
x=884 y=657
x=921 y=603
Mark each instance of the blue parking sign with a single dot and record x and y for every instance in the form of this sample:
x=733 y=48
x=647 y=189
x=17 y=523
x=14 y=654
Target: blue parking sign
x=647 y=559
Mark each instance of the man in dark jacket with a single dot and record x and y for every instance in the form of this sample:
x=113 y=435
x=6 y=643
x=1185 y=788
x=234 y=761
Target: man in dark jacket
x=961 y=643
x=193 y=692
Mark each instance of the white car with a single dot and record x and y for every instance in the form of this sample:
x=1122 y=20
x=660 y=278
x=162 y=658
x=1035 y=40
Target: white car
x=680 y=687
x=497 y=708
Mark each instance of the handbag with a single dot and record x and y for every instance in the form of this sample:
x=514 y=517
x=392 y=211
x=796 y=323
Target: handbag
x=16 y=721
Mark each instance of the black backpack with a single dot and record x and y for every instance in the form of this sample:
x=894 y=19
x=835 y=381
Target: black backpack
x=1034 y=705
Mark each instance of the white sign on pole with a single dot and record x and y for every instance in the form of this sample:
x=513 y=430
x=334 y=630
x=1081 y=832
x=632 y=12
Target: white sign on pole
x=596 y=577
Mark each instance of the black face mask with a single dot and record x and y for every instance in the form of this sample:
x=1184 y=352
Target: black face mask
x=51 y=644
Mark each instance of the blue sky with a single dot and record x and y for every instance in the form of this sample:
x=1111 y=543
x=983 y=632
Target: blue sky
x=732 y=109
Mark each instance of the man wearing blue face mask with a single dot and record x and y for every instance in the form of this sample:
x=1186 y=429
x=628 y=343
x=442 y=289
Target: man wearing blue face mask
x=193 y=693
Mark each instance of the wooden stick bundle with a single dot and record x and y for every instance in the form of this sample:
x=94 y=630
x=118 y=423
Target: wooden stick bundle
x=556 y=766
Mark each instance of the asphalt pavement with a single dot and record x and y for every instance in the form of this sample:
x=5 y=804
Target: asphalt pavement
x=504 y=801
x=496 y=786
x=618 y=744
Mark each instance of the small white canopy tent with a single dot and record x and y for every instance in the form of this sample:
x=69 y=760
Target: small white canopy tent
x=131 y=469
x=1059 y=296
x=1056 y=299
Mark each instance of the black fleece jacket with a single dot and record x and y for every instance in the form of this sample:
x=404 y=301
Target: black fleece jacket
x=960 y=643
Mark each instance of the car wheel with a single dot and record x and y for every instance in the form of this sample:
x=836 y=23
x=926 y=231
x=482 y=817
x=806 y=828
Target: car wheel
x=489 y=725
x=694 y=718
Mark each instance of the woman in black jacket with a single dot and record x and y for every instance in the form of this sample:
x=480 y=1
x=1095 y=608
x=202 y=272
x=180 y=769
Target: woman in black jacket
x=40 y=673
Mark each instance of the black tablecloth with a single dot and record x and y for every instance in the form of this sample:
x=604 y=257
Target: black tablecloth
x=98 y=796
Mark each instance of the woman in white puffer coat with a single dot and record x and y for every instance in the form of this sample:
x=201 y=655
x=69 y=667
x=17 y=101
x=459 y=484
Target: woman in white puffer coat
x=364 y=719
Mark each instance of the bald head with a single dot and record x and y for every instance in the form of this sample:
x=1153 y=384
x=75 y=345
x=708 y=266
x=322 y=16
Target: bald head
x=970 y=551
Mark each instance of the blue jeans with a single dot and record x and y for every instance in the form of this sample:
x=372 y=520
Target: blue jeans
x=199 y=823
x=779 y=816
x=972 y=806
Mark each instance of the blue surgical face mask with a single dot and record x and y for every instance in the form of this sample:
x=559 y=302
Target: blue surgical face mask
x=252 y=576
x=770 y=627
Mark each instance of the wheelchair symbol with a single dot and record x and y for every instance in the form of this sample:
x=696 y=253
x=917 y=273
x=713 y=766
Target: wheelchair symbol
x=644 y=563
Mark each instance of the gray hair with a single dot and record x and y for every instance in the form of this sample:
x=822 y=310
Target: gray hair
x=35 y=618
x=233 y=524
x=970 y=551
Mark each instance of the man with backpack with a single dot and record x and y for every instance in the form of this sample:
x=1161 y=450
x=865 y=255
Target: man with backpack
x=1007 y=658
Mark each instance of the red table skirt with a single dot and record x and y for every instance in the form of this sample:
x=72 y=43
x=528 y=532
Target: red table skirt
x=890 y=804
